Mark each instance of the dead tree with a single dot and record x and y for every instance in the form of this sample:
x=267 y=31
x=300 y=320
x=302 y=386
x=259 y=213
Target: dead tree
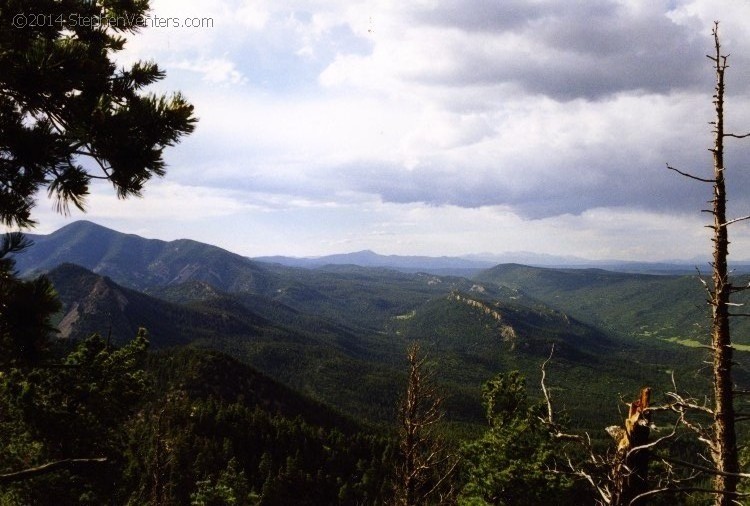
x=722 y=442
x=721 y=438
x=630 y=467
x=619 y=478
x=427 y=466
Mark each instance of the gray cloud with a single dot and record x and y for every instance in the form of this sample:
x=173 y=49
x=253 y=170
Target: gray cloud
x=566 y=50
x=566 y=187
x=605 y=109
x=494 y=16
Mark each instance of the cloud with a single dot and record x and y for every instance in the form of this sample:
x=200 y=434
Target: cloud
x=542 y=157
x=561 y=50
x=215 y=70
x=167 y=200
x=552 y=118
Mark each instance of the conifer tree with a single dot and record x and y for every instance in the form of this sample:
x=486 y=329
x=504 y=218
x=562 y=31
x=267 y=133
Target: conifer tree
x=68 y=115
x=513 y=462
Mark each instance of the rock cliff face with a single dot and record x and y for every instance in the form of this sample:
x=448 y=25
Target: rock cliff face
x=507 y=332
x=96 y=300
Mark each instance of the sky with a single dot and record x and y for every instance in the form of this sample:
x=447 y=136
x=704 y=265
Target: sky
x=442 y=127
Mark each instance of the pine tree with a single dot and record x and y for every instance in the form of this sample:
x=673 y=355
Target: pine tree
x=64 y=104
x=68 y=116
x=511 y=464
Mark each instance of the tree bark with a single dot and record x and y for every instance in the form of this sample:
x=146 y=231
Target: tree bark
x=724 y=451
x=630 y=470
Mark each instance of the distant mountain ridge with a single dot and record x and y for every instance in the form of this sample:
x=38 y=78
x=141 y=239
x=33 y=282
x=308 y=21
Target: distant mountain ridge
x=368 y=258
x=138 y=263
x=468 y=265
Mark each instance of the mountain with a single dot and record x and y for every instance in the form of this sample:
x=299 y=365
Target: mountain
x=203 y=373
x=473 y=336
x=314 y=355
x=141 y=263
x=472 y=333
x=138 y=263
x=364 y=297
x=434 y=265
x=337 y=333
x=211 y=416
x=469 y=265
x=629 y=305
x=93 y=303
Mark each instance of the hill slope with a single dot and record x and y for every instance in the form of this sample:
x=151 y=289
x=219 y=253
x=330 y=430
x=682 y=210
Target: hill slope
x=338 y=333
x=212 y=415
x=92 y=303
x=316 y=356
x=136 y=262
x=630 y=305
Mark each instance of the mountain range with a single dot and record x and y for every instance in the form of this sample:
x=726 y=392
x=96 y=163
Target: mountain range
x=337 y=332
x=469 y=265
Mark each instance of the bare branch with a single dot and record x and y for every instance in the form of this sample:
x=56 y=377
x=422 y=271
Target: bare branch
x=702 y=180
x=549 y=421
x=735 y=221
x=544 y=388
x=681 y=403
x=704 y=469
x=656 y=442
x=49 y=467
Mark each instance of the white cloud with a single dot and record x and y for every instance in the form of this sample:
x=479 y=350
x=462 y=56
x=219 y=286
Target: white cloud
x=445 y=127
x=166 y=200
x=215 y=70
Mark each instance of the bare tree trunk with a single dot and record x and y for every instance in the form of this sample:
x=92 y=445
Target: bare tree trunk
x=629 y=472
x=724 y=451
x=426 y=466
x=722 y=442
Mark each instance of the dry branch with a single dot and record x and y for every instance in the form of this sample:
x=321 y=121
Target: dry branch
x=49 y=467
x=702 y=180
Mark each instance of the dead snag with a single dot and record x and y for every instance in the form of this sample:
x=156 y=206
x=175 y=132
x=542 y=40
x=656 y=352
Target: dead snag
x=630 y=467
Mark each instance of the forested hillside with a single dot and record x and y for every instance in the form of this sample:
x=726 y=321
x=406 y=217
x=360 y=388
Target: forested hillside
x=317 y=329
x=636 y=306
x=229 y=423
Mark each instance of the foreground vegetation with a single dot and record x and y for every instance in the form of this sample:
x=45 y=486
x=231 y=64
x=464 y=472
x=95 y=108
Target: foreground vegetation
x=191 y=426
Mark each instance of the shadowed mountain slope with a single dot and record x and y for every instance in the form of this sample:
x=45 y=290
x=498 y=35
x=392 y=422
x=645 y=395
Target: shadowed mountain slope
x=136 y=262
